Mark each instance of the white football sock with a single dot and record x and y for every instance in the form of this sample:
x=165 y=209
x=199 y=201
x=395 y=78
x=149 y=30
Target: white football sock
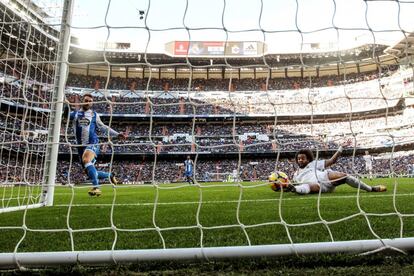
x=356 y=183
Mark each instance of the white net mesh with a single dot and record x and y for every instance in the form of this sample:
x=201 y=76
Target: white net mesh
x=239 y=93
x=28 y=53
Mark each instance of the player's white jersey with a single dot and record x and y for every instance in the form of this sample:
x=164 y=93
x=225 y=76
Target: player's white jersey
x=368 y=161
x=313 y=173
x=85 y=125
x=234 y=174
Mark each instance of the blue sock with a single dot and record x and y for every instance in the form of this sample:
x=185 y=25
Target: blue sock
x=92 y=173
x=103 y=175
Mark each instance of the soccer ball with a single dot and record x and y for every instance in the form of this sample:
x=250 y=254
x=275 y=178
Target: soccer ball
x=278 y=180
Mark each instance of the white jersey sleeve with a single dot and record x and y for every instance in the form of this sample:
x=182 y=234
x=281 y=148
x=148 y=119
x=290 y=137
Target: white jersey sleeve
x=104 y=127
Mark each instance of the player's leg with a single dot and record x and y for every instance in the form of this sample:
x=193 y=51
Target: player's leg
x=338 y=178
x=103 y=175
x=188 y=177
x=110 y=176
x=88 y=158
x=370 y=173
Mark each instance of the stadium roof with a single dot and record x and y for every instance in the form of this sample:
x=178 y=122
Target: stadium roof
x=354 y=55
x=404 y=47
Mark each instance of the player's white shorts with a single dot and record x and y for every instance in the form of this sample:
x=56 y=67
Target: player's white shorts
x=322 y=179
x=325 y=185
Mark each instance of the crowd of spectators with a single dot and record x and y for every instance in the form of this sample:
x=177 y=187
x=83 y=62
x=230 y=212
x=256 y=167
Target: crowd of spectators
x=357 y=94
x=226 y=137
x=250 y=169
x=26 y=96
x=222 y=137
x=30 y=169
x=27 y=138
x=336 y=99
x=215 y=129
x=22 y=142
x=230 y=145
x=234 y=84
x=300 y=102
x=35 y=90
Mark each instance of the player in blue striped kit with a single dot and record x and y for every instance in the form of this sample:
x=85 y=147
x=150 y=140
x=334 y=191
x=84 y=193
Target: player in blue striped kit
x=188 y=170
x=85 y=123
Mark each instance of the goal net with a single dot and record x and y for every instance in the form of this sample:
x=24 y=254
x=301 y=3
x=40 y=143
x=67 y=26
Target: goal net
x=150 y=129
x=221 y=177
x=28 y=55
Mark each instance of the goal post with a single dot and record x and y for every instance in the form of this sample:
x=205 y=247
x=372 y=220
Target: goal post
x=40 y=259
x=37 y=84
x=61 y=73
x=28 y=62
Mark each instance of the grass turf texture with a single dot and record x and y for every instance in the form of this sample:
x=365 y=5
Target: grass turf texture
x=137 y=210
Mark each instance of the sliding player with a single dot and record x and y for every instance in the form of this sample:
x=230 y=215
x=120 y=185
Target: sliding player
x=85 y=123
x=314 y=175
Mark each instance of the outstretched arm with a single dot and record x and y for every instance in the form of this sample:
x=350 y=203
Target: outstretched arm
x=332 y=160
x=109 y=130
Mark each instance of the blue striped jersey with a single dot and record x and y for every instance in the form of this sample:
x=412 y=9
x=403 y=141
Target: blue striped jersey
x=85 y=124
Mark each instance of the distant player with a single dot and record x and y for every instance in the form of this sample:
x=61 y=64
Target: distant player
x=411 y=170
x=314 y=176
x=85 y=123
x=188 y=170
x=235 y=175
x=368 y=163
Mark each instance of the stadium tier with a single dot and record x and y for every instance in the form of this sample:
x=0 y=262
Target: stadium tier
x=379 y=125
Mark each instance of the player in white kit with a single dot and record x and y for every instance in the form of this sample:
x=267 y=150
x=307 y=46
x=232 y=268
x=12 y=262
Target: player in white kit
x=368 y=163
x=313 y=176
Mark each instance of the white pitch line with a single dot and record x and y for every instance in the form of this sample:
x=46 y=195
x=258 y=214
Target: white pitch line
x=225 y=201
x=163 y=190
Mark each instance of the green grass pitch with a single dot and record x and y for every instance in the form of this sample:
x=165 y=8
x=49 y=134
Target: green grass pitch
x=175 y=216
